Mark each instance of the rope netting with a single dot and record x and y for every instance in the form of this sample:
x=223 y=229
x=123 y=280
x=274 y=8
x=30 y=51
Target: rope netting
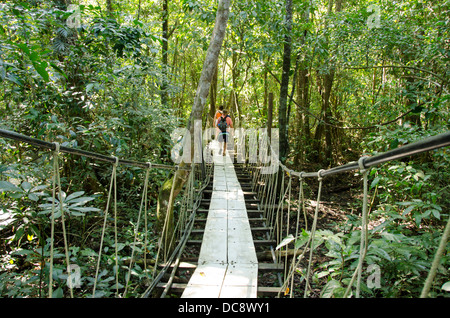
x=188 y=201
x=275 y=197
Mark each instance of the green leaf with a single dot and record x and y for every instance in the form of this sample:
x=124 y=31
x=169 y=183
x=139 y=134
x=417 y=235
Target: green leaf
x=302 y=239
x=328 y=290
x=394 y=143
x=408 y=209
x=26 y=185
x=286 y=241
x=436 y=213
x=41 y=68
x=22 y=252
x=80 y=201
x=58 y=293
x=6 y=186
x=74 y=195
x=374 y=182
x=13 y=78
x=59 y=70
x=33 y=197
x=85 y=209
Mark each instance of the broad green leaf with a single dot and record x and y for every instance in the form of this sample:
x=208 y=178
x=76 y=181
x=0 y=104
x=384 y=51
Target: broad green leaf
x=436 y=213
x=6 y=186
x=74 y=195
x=374 y=182
x=58 y=293
x=85 y=209
x=286 y=241
x=328 y=290
x=26 y=185
x=13 y=78
x=41 y=68
x=80 y=201
x=33 y=197
x=59 y=70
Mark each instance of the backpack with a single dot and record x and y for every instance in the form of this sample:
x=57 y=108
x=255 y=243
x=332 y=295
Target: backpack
x=223 y=124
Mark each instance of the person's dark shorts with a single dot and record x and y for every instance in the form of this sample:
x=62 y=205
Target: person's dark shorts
x=223 y=137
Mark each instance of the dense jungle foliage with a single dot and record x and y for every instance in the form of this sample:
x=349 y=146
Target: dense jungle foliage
x=347 y=77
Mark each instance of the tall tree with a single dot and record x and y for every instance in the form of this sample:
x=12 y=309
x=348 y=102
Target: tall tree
x=109 y=7
x=282 y=111
x=165 y=50
x=325 y=84
x=303 y=100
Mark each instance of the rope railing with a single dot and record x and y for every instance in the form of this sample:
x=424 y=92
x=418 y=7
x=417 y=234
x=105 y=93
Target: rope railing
x=264 y=185
x=101 y=157
x=181 y=232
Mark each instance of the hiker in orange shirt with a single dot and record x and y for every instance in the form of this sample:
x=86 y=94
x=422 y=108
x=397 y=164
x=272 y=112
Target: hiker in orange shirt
x=218 y=113
x=224 y=122
x=216 y=117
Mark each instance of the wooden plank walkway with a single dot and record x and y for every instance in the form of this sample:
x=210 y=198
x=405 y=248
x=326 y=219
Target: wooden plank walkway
x=227 y=265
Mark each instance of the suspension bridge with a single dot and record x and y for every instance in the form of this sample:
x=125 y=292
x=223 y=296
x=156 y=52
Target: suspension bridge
x=232 y=228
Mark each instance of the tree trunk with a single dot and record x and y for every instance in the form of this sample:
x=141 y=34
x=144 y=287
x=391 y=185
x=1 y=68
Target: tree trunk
x=303 y=85
x=303 y=136
x=213 y=97
x=109 y=7
x=325 y=91
x=165 y=199
x=139 y=11
x=165 y=50
x=282 y=110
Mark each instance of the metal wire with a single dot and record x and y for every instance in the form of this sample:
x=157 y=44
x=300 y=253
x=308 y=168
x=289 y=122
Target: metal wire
x=50 y=145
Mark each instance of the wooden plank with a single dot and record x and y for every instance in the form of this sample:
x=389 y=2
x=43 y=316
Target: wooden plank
x=214 y=246
x=227 y=260
x=206 y=281
x=263 y=267
x=261 y=290
x=237 y=213
x=269 y=267
x=236 y=205
x=256 y=242
x=269 y=291
x=240 y=242
x=217 y=213
x=241 y=275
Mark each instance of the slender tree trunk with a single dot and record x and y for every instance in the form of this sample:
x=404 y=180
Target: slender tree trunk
x=165 y=50
x=325 y=88
x=328 y=85
x=303 y=136
x=282 y=110
x=109 y=7
x=213 y=97
x=139 y=10
x=264 y=111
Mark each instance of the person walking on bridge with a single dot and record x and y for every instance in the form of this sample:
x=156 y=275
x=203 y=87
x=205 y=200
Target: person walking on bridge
x=224 y=123
x=218 y=114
